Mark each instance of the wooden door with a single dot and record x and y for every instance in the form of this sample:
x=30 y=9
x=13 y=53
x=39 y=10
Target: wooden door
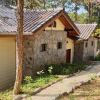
x=68 y=56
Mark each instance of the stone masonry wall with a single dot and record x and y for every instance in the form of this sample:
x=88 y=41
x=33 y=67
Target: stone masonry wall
x=34 y=59
x=90 y=50
x=78 y=52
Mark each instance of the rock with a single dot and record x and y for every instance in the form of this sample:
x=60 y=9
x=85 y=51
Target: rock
x=18 y=97
x=98 y=75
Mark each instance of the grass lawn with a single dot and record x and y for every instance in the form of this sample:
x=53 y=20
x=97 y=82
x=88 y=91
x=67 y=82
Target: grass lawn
x=90 y=91
x=30 y=85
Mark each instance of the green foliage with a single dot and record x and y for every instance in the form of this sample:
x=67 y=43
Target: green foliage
x=6 y=95
x=65 y=69
x=97 y=58
x=28 y=79
x=31 y=4
x=82 y=18
x=29 y=85
x=39 y=81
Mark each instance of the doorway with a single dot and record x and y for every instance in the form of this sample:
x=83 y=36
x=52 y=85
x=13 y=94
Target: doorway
x=68 y=55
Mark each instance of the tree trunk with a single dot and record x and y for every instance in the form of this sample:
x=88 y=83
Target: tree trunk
x=44 y=4
x=19 y=69
x=76 y=13
x=90 y=11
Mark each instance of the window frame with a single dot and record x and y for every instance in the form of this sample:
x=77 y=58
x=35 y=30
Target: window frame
x=53 y=24
x=92 y=43
x=86 y=44
x=59 y=45
x=43 y=47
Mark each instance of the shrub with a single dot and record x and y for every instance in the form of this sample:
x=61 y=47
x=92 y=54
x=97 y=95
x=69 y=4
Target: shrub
x=28 y=79
x=97 y=58
x=64 y=69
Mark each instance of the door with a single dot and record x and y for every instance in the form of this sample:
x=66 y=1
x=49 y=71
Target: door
x=7 y=62
x=68 y=56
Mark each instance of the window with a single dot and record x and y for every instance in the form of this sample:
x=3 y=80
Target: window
x=43 y=47
x=50 y=25
x=53 y=24
x=92 y=43
x=86 y=44
x=59 y=45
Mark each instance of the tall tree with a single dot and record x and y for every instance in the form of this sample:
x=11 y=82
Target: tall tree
x=77 y=4
x=32 y=4
x=93 y=9
x=19 y=69
x=8 y=2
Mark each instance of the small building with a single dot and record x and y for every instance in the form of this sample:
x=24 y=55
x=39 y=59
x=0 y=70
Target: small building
x=86 y=45
x=46 y=34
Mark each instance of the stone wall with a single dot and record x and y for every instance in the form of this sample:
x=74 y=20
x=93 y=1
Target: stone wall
x=28 y=55
x=78 y=51
x=91 y=49
x=34 y=59
x=83 y=52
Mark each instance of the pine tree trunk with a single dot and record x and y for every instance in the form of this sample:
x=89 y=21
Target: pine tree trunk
x=19 y=69
x=44 y=4
x=76 y=14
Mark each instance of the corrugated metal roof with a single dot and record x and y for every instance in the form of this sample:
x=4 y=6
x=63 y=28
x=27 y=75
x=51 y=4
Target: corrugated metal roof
x=32 y=19
x=86 y=30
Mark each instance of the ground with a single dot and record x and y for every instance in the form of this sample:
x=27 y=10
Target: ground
x=89 y=91
x=67 y=85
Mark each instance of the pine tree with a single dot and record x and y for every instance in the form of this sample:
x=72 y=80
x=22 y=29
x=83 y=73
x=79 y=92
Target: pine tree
x=19 y=69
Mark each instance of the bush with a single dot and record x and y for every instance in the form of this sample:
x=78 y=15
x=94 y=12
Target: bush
x=28 y=79
x=97 y=58
x=64 y=69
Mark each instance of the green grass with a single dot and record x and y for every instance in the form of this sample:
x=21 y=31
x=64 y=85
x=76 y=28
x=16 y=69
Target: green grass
x=30 y=85
x=44 y=78
x=37 y=82
x=6 y=95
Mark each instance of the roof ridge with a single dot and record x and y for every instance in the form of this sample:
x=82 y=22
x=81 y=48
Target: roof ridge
x=87 y=24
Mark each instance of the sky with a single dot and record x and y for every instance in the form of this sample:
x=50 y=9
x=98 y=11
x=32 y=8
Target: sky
x=80 y=11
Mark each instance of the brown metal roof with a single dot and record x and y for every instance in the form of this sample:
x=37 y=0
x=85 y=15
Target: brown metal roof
x=86 y=30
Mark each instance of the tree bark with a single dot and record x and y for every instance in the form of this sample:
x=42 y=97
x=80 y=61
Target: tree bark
x=44 y=4
x=19 y=69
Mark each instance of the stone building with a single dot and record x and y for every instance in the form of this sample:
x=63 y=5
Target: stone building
x=86 y=45
x=48 y=39
x=53 y=43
